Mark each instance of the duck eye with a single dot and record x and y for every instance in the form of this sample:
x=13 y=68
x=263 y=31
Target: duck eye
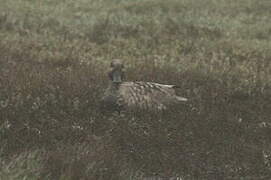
x=111 y=64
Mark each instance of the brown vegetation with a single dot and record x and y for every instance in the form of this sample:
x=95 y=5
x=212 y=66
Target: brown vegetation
x=53 y=73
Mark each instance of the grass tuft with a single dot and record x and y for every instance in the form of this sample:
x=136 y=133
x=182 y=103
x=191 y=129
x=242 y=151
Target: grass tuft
x=54 y=57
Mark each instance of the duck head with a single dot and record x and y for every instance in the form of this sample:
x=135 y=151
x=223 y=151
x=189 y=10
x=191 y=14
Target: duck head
x=116 y=73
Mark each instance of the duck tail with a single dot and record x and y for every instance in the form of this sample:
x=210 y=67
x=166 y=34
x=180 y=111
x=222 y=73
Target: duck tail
x=179 y=98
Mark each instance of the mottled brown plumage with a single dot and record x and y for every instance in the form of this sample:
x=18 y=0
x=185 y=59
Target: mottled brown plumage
x=137 y=95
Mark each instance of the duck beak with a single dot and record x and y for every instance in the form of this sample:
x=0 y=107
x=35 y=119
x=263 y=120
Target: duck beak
x=117 y=77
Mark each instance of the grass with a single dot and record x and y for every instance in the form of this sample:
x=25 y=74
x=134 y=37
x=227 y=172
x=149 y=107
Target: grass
x=54 y=57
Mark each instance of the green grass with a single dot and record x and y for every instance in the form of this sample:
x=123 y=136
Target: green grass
x=54 y=57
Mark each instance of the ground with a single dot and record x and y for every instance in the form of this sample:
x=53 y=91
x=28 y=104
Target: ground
x=54 y=56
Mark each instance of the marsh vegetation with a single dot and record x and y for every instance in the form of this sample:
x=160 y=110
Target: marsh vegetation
x=53 y=63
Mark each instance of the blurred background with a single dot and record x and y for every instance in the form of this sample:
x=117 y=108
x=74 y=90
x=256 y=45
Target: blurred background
x=54 y=58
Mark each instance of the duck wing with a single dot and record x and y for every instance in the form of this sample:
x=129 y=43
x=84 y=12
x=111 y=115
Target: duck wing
x=149 y=95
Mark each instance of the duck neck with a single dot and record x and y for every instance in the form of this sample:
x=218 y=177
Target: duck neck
x=115 y=86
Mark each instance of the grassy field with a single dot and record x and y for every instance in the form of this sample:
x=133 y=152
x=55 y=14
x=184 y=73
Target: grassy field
x=54 y=57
